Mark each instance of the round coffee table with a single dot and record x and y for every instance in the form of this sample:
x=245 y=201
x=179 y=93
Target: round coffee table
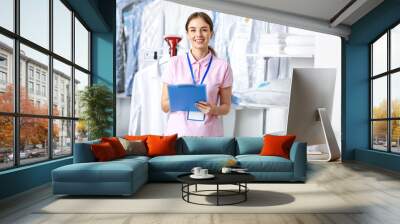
x=238 y=179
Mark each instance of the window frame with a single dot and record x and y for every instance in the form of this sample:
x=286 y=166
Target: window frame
x=388 y=74
x=16 y=114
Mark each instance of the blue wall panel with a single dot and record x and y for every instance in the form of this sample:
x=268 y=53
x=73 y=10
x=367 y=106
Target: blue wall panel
x=357 y=99
x=24 y=178
x=102 y=58
x=356 y=88
x=90 y=12
x=376 y=22
x=103 y=63
x=377 y=158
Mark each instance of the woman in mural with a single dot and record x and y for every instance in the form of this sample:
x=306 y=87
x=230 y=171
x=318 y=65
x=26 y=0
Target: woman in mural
x=201 y=66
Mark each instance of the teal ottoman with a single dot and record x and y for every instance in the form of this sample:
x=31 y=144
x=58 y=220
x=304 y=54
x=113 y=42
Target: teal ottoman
x=118 y=177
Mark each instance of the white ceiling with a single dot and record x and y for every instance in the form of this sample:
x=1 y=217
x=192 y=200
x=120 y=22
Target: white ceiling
x=320 y=9
x=315 y=15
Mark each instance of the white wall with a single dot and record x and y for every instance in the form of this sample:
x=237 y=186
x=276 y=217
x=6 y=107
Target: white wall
x=328 y=55
x=123 y=105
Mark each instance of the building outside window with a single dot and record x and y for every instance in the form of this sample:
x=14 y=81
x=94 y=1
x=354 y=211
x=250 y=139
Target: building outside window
x=30 y=87
x=3 y=78
x=30 y=72
x=3 y=61
x=55 y=96
x=43 y=90
x=43 y=77
x=38 y=89
x=3 y=71
x=37 y=74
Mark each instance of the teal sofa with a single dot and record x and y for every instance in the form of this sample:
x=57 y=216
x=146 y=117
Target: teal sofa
x=125 y=176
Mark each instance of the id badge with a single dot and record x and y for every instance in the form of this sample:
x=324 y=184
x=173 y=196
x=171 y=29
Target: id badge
x=195 y=116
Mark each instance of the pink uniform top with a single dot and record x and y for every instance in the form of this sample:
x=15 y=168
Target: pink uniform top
x=219 y=76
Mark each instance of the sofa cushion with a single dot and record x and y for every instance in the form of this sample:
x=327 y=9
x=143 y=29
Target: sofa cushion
x=277 y=145
x=111 y=171
x=134 y=147
x=116 y=145
x=132 y=158
x=206 y=145
x=83 y=152
x=257 y=163
x=161 y=145
x=103 y=152
x=249 y=145
x=136 y=137
x=185 y=163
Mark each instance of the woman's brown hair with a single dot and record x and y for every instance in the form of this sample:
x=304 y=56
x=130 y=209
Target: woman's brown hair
x=207 y=19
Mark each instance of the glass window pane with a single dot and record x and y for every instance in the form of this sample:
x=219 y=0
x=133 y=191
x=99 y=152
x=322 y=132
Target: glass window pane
x=395 y=138
x=6 y=74
x=379 y=55
x=395 y=47
x=62 y=138
x=81 y=45
x=35 y=21
x=81 y=81
x=379 y=97
x=62 y=29
x=6 y=142
x=379 y=135
x=62 y=89
x=395 y=94
x=81 y=131
x=34 y=97
x=7 y=14
x=33 y=139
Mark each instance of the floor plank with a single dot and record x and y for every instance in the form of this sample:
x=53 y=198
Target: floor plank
x=376 y=189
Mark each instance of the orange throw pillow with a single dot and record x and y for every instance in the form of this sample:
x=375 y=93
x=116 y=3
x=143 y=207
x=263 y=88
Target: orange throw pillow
x=277 y=145
x=116 y=145
x=161 y=145
x=103 y=152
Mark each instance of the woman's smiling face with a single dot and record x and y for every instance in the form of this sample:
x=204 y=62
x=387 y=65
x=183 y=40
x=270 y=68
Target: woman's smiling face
x=199 y=33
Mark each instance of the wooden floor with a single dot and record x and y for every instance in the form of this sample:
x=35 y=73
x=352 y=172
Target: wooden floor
x=377 y=188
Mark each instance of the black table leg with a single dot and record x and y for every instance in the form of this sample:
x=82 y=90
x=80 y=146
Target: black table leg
x=188 y=190
x=217 y=194
x=245 y=193
x=185 y=188
x=182 y=189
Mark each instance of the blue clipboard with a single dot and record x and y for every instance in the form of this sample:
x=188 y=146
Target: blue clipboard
x=184 y=97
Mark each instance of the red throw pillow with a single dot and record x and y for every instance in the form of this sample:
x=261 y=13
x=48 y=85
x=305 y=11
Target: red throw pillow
x=103 y=151
x=116 y=145
x=161 y=145
x=277 y=145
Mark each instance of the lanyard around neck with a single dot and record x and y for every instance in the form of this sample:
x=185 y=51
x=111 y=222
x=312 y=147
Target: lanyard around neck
x=191 y=69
